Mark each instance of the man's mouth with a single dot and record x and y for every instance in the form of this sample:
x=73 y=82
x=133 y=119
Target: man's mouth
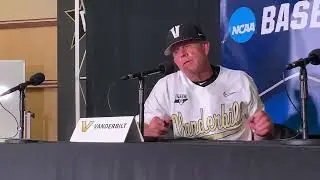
x=186 y=62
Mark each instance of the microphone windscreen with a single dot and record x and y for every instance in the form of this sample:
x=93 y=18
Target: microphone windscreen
x=315 y=56
x=167 y=68
x=37 y=79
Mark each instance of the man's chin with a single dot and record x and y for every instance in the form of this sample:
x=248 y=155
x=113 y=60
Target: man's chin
x=188 y=70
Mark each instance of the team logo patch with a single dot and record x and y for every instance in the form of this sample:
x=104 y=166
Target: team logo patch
x=175 y=31
x=180 y=98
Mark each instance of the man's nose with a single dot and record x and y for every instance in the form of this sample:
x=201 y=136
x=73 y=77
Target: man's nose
x=182 y=51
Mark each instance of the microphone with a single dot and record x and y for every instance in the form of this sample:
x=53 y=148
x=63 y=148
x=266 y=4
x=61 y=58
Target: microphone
x=313 y=58
x=35 y=80
x=163 y=68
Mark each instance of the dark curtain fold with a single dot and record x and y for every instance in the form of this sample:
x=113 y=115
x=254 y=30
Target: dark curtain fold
x=129 y=36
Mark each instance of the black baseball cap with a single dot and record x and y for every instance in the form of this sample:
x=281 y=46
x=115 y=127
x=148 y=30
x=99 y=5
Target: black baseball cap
x=183 y=32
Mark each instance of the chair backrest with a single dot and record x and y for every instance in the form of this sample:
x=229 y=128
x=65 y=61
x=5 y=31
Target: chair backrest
x=281 y=131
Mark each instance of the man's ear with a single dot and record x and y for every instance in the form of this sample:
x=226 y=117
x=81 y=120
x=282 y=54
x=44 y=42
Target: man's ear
x=206 y=46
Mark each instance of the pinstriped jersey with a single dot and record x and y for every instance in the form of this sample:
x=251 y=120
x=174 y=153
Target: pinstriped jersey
x=218 y=111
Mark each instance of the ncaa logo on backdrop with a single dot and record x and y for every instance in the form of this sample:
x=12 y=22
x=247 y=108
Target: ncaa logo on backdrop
x=242 y=25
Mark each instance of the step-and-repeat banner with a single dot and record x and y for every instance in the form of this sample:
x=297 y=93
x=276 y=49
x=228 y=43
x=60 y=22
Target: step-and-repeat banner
x=261 y=38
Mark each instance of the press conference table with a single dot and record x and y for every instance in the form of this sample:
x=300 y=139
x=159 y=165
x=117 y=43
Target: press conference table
x=185 y=160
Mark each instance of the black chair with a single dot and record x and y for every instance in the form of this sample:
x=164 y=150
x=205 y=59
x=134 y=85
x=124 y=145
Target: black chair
x=281 y=131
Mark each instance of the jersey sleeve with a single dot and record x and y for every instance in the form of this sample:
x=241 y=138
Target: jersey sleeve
x=255 y=103
x=157 y=102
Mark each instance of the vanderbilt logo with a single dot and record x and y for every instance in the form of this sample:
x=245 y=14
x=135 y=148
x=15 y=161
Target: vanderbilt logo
x=180 y=98
x=215 y=126
x=86 y=125
x=175 y=31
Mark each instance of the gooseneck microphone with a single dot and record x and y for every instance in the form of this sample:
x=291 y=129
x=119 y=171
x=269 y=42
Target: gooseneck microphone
x=163 y=68
x=34 y=80
x=313 y=58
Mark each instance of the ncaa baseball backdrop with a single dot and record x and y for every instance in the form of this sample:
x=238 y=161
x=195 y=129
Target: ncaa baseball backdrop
x=261 y=38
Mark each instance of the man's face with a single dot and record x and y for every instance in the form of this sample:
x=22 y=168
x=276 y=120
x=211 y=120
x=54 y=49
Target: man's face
x=191 y=56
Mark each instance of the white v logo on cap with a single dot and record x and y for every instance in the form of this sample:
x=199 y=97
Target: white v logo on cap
x=175 y=31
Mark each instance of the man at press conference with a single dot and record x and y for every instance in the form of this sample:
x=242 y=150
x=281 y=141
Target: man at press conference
x=203 y=100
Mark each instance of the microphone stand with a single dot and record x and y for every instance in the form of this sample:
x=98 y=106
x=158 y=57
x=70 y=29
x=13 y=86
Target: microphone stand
x=165 y=68
x=141 y=103
x=304 y=97
x=21 y=127
x=22 y=111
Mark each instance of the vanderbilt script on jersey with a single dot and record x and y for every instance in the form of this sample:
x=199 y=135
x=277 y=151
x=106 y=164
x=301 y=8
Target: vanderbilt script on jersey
x=221 y=124
x=217 y=111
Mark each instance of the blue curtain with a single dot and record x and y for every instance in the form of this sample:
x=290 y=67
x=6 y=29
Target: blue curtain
x=261 y=38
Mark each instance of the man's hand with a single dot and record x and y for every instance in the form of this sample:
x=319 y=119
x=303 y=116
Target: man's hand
x=157 y=127
x=260 y=124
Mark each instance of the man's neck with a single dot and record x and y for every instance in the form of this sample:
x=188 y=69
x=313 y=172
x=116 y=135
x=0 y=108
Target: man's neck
x=204 y=75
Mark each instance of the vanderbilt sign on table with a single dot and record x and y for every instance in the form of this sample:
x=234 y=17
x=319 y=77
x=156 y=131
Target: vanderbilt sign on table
x=107 y=129
x=85 y=125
